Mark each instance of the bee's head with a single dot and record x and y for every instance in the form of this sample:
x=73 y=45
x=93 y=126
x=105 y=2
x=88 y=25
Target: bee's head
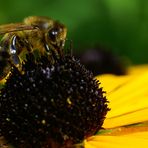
x=56 y=35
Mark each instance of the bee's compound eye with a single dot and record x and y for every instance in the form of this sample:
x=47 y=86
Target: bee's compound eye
x=53 y=33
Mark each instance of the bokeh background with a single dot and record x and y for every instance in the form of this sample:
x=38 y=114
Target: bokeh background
x=118 y=25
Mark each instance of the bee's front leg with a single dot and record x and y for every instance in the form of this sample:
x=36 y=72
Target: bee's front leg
x=5 y=66
x=14 y=52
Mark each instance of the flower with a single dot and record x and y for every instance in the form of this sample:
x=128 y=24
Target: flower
x=126 y=125
x=29 y=118
x=50 y=103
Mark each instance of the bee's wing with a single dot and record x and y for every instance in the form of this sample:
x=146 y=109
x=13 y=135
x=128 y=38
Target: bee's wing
x=15 y=27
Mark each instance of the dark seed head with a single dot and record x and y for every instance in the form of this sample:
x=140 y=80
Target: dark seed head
x=48 y=102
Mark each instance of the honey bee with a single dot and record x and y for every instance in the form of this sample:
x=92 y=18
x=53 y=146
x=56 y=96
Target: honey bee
x=41 y=34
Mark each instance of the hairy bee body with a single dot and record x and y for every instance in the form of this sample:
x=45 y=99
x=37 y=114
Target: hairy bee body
x=40 y=34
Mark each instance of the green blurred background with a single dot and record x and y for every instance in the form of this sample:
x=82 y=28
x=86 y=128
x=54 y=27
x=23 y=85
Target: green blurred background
x=118 y=25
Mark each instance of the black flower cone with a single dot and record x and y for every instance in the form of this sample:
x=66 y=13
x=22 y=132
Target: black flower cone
x=60 y=102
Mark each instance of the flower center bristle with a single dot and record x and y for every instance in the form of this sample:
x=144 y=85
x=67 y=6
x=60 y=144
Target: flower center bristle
x=60 y=101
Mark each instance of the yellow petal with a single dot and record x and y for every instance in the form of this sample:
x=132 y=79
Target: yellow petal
x=138 y=69
x=128 y=96
x=130 y=136
x=135 y=130
x=111 y=82
x=141 y=135
x=127 y=141
x=126 y=119
x=128 y=99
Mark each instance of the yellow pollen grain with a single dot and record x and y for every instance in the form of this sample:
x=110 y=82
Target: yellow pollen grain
x=8 y=119
x=43 y=121
x=69 y=101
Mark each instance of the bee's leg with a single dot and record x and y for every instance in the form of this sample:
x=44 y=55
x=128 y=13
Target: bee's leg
x=14 y=52
x=9 y=54
x=54 y=56
x=4 y=63
x=53 y=52
x=18 y=48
